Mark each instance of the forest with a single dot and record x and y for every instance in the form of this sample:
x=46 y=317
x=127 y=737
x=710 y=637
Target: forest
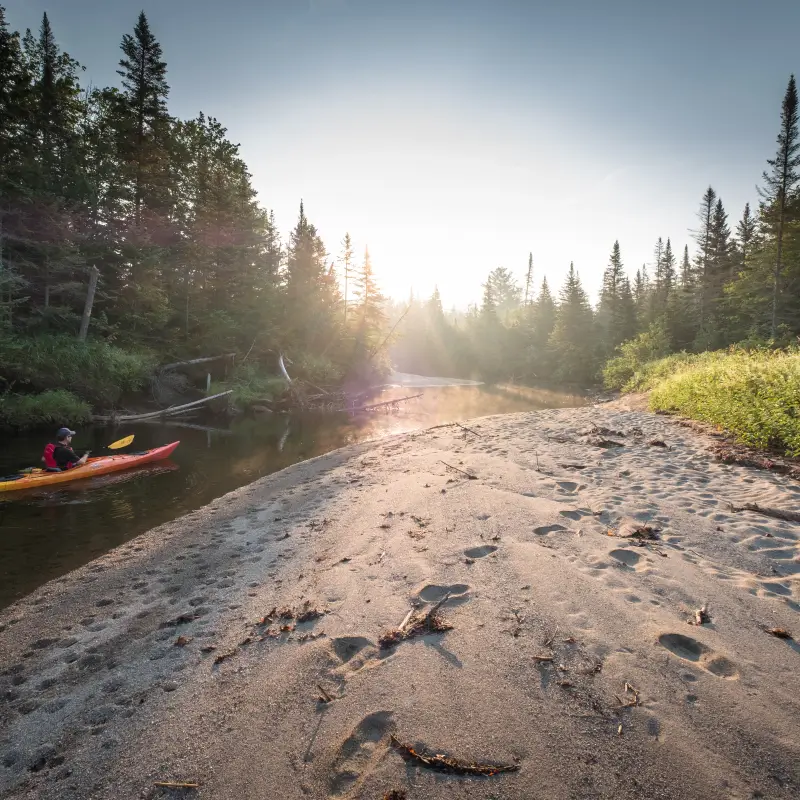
x=190 y=264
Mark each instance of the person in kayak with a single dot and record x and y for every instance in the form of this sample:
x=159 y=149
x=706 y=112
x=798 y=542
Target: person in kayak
x=60 y=456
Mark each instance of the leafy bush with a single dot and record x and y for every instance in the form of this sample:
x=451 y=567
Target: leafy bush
x=55 y=407
x=754 y=395
x=316 y=369
x=95 y=370
x=648 y=346
x=250 y=385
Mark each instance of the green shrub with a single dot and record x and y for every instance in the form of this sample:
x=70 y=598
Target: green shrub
x=250 y=385
x=95 y=370
x=754 y=395
x=55 y=407
x=634 y=354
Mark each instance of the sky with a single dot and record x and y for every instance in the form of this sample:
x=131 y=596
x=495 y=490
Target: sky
x=456 y=136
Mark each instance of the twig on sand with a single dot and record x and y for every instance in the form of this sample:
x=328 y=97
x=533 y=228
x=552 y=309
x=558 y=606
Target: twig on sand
x=633 y=529
x=325 y=697
x=468 y=474
x=548 y=642
x=445 y=763
x=416 y=623
x=176 y=785
x=469 y=430
x=543 y=659
x=780 y=633
x=776 y=513
x=701 y=616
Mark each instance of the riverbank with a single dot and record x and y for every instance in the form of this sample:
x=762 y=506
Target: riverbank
x=570 y=654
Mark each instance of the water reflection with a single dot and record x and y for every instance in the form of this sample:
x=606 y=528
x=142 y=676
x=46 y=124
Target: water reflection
x=45 y=533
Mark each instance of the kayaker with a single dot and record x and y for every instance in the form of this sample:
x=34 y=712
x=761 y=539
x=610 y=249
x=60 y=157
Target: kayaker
x=62 y=455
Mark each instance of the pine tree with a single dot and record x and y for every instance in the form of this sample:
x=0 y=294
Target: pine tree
x=571 y=341
x=704 y=238
x=346 y=260
x=686 y=268
x=504 y=291
x=529 y=281
x=616 y=314
x=370 y=317
x=780 y=186
x=745 y=240
x=143 y=73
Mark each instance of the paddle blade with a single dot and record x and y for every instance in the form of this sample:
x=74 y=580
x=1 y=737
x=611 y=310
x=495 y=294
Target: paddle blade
x=121 y=443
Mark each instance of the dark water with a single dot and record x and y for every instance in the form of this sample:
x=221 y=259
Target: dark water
x=46 y=533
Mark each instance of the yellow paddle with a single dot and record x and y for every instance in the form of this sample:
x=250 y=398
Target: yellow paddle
x=121 y=443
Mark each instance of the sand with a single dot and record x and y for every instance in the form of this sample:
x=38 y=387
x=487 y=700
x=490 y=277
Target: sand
x=570 y=655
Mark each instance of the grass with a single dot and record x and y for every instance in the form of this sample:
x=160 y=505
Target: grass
x=755 y=395
x=54 y=407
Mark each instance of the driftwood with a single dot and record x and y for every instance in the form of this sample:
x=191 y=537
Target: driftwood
x=468 y=474
x=383 y=404
x=776 y=513
x=190 y=362
x=448 y=764
x=166 y=412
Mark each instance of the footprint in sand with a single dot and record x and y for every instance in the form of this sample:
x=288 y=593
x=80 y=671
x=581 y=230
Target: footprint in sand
x=433 y=592
x=357 y=755
x=626 y=557
x=691 y=650
x=543 y=530
x=575 y=514
x=480 y=552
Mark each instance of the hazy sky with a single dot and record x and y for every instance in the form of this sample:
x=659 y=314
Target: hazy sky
x=454 y=136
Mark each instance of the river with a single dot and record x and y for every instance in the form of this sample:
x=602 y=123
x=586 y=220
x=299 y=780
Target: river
x=46 y=533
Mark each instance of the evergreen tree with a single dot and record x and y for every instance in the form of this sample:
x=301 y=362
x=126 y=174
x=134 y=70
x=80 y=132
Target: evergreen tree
x=780 y=187
x=704 y=237
x=571 y=341
x=617 y=312
x=529 y=281
x=505 y=293
x=346 y=260
x=745 y=240
x=686 y=268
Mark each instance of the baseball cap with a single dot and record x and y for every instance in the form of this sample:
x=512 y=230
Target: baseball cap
x=62 y=432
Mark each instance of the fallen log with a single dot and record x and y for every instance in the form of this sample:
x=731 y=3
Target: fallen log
x=165 y=412
x=385 y=403
x=190 y=362
x=775 y=513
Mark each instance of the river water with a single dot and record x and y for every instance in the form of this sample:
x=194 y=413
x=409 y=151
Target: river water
x=46 y=533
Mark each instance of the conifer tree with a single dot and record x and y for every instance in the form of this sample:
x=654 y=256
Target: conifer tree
x=780 y=186
x=704 y=237
x=571 y=341
x=346 y=260
x=616 y=315
x=745 y=240
x=529 y=281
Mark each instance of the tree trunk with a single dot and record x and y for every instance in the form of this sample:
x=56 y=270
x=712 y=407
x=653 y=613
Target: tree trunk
x=94 y=274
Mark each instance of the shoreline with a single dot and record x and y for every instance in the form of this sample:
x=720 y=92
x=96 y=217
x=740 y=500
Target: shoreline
x=104 y=699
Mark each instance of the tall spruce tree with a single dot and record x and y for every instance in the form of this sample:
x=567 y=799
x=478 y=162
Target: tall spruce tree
x=616 y=314
x=780 y=185
x=346 y=259
x=704 y=237
x=529 y=282
x=745 y=240
x=572 y=342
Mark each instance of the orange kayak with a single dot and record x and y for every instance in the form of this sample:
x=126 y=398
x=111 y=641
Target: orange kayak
x=102 y=465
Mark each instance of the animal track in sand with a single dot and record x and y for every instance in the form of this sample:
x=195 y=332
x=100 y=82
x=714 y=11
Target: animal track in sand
x=356 y=753
x=691 y=650
x=480 y=552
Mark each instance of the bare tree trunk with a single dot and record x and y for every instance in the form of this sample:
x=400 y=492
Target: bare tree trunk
x=94 y=274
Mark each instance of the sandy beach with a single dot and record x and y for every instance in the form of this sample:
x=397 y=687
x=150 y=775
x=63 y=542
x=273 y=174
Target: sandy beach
x=256 y=648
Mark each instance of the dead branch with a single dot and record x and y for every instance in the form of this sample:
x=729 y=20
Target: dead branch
x=468 y=430
x=448 y=764
x=372 y=406
x=775 y=513
x=167 y=412
x=468 y=474
x=205 y=360
x=326 y=698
